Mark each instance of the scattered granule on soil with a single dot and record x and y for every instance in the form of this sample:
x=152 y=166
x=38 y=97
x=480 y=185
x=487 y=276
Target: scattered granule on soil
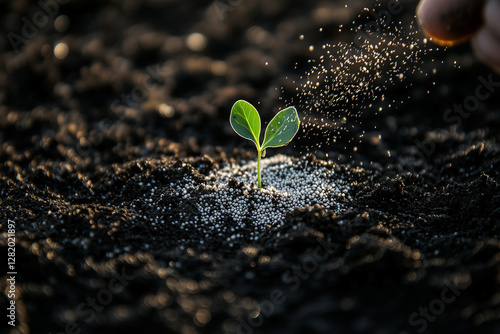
x=228 y=207
x=235 y=207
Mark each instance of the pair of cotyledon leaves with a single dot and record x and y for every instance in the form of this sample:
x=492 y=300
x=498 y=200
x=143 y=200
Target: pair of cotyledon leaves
x=245 y=121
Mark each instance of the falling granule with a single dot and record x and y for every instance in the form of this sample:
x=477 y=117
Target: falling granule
x=349 y=79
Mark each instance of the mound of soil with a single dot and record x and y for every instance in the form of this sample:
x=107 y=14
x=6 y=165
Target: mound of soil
x=133 y=203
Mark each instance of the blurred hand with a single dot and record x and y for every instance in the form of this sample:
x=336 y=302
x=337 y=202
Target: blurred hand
x=452 y=21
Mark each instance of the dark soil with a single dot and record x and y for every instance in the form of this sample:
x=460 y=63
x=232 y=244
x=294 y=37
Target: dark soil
x=416 y=251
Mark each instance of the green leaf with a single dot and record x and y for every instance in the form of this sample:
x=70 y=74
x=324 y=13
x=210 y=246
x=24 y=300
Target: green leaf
x=245 y=121
x=282 y=128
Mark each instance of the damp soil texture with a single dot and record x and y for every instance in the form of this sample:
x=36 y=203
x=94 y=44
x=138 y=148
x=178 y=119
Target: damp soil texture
x=133 y=205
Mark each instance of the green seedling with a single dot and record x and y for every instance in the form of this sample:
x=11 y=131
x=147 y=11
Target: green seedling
x=245 y=121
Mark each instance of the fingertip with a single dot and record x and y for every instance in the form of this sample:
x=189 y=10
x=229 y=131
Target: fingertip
x=492 y=16
x=450 y=20
x=486 y=45
x=420 y=14
x=424 y=15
